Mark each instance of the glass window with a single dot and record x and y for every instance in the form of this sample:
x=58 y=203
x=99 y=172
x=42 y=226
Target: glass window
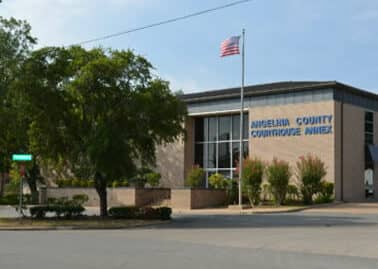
x=216 y=145
x=226 y=174
x=368 y=127
x=235 y=127
x=212 y=129
x=199 y=129
x=224 y=128
x=369 y=139
x=224 y=158
x=198 y=154
x=211 y=156
x=235 y=153
x=368 y=116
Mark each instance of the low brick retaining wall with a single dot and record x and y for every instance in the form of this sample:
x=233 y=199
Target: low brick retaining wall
x=197 y=198
x=122 y=196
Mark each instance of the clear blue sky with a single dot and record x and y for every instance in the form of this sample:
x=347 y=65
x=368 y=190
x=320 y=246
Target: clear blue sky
x=285 y=39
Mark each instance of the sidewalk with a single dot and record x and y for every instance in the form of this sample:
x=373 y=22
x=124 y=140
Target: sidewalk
x=233 y=211
x=274 y=210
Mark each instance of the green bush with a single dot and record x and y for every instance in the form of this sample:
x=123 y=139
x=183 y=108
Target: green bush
x=124 y=183
x=165 y=213
x=123 y=212
x=153 y=179
x=80 y=199
x=67 y=182
x=90 y=183
x=266 y=192
x=116 y=184
x=13 y=186
x=196 y=177
x=132 y=212
x=278 y=175
x=218 y=181
x=232 y=192
x=75 y=183
x=292 y=192
x=310 y=171
x=253 y=170
x=9 y=199
x=60 y=207
x=325 y=194
x=67 y=211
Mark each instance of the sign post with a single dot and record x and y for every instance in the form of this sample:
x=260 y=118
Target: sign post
x=22 y=158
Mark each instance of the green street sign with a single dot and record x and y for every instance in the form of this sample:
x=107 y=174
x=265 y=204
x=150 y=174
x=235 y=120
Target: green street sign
x=22 y=157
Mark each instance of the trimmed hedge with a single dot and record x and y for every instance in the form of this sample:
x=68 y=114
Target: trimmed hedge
x=132 y=212
x=66 y=211
x=60 y=207
x=13 y=199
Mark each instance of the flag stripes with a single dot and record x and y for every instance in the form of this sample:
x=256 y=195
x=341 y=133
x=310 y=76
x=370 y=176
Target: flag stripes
x=230 y=46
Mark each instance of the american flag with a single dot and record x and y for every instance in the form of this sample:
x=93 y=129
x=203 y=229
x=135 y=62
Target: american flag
x=230 y=46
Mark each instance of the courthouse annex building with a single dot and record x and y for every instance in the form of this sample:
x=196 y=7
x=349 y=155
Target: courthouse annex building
x=334 y=121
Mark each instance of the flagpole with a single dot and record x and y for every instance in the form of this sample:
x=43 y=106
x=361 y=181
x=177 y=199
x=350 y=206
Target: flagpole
x=241 y=123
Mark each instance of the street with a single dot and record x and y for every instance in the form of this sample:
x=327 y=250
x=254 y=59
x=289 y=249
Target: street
x=310 y=239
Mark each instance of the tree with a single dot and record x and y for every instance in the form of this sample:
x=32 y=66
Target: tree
x=310 y=172
x=253 y=171
x=102 y=111
x=278 y=175
x=16 y=43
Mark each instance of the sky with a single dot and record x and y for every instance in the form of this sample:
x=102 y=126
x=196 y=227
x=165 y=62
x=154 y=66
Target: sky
x=286 y=40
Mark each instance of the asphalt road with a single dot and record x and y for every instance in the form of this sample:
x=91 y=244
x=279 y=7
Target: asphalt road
x=293 y=240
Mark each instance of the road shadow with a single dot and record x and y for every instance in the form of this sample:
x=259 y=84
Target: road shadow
x=266 y=221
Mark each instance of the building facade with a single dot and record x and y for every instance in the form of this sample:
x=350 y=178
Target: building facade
x=283 y=120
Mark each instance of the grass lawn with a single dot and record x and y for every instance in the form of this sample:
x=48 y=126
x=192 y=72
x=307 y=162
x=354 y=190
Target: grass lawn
x=82 y=223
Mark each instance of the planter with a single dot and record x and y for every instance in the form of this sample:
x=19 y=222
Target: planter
x=122 y=196
x=195 y=198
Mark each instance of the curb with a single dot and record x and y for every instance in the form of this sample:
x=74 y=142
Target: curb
x=80 y=228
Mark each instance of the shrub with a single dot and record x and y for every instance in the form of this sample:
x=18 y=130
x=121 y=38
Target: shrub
x=218 y=181
x=132 y=212
x=60 y=207
x=195 y=177
x=123 y=212
x=59 y=183
x=153 y=179
x=292 y=192
x=278 y=175
x=13 y=186
x=253 y=170
x=165 y=213
x=90 y=183
x=140 y=178
x=67 y=183
x=266 y=192
x=75 y=183
x=9 y=199
x=67 y=211
x=325 y=193
x=310 y=171
x=80 y=199
x=124 y=183
x=116 y=184
x=232 y=192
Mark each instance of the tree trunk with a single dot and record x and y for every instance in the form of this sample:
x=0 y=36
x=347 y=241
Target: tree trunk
x=100 y=185
x=2 y=183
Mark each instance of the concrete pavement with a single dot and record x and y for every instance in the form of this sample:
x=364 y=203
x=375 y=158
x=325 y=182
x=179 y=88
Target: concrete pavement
x=307 y=239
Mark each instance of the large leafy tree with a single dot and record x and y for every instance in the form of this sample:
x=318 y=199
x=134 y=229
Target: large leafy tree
x=16 y=43
x=101 y=111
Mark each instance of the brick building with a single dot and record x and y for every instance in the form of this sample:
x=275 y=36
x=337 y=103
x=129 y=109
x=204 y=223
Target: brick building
x=286 y=120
